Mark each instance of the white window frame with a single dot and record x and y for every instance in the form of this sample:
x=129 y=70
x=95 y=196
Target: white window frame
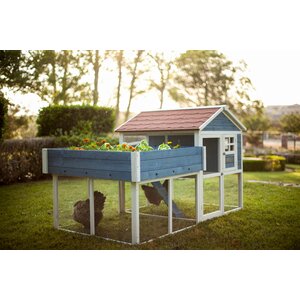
x=234 y=152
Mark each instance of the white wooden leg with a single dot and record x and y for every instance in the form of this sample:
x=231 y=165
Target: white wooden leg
x=170 y=206
x=55 y=201
x=221 y=192
x=121 y=196
x=135 y=218
x=199 y=196
x=92 y=206
x=240 y=180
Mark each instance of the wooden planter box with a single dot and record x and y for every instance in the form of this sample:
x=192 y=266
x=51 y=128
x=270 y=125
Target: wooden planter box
x=125 y=166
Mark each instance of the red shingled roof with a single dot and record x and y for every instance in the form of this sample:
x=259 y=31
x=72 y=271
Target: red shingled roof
x=180 y=119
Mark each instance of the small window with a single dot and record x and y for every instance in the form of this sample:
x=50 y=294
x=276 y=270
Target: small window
x=229 y=144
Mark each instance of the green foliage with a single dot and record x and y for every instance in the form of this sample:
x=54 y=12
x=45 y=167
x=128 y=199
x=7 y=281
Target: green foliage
x=13 y=69
x=77 y=140
x=143 y=146
x=21 y=159
x=58 y=76
x=16 y=124
x=291 y=123
x=256 y=123
x=204 y=77
x=3 y=114
x=65 y=120
x=264 y=163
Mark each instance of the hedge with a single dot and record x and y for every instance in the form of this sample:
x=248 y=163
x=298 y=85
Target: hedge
x=264 y=163
x=3 y=113
x=63 y=119
x=21 y=160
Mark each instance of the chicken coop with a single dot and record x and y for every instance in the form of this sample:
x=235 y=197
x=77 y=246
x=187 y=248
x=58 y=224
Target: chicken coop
x=206 y=164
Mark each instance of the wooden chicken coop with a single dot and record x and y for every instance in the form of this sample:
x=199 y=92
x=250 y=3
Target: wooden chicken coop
x=210 y=140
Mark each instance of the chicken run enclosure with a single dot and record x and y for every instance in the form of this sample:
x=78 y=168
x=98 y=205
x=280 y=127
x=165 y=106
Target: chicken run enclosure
x=161 y=192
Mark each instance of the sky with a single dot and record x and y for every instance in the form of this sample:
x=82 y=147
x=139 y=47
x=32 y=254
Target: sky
x=274 y=74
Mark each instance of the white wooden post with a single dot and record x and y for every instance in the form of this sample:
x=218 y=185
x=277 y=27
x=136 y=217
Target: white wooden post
x=121 y=196
x=55 y=202
x=121 y=138
x=199 y=196
x=170 y=206
x=92 y=206
x=221 y=192
x=240 y=180
x=135 y=218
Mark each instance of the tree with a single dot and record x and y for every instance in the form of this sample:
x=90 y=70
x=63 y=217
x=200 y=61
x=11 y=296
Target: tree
x=58 y=76
x=135 y=73
x=96 y=60
x=291 y=123
x=119 y=57
x=13 y=72
x=163 y=65
x=204 y=77
x=3 y=114
x=16 y=124
x=14 y=76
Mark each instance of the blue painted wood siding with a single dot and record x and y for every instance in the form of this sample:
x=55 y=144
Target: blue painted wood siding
x=239 y=151
x=221 y=123
x=229 y=160
x=117 y=165
x=96 y=164
x=159 y=164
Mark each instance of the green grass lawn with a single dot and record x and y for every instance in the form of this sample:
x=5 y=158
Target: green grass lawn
x=270 y=218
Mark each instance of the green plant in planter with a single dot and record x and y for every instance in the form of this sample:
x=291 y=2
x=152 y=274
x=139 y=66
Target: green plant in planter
x=143 y=146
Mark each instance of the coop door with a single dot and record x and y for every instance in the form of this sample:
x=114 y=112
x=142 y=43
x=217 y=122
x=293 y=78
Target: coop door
x=229 y=152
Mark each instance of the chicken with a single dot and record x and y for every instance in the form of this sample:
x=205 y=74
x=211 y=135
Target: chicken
x=81 y=212
x=152 y=194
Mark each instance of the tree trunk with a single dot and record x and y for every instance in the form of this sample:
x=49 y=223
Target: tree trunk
x=130 y=96
x=55 y=98
x=96 y=78
x=64 y=79
x=131 y=89
x=161 y=98
x=120 y=63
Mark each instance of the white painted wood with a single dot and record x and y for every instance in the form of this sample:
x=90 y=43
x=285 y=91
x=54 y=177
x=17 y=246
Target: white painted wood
x=92 y=206
x=232 y=210
x=135 y=166
x=170 y=205
x=45 y=161
x=211 y=215
x=166 y=178
x=121 y=196
x=204 y=158
x=234 y=152
x=232 y=172
x=199 y=196
x=55 y=201
x=196 y=138
x=217 y=133
x=211 y=175
x=121 y=138
x=221 y=193
x=135 y=218
x=240 y=184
